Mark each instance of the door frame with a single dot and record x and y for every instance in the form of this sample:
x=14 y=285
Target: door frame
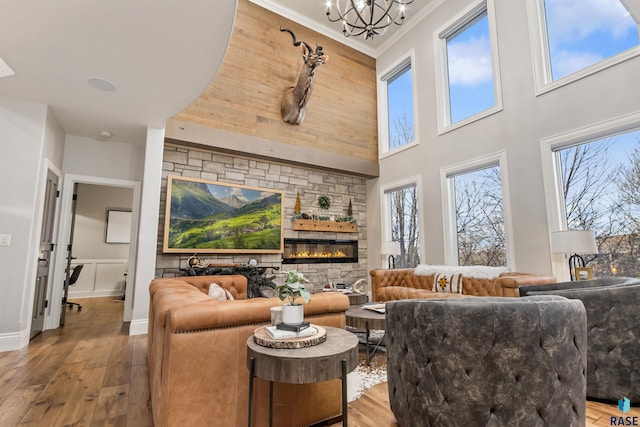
x=52 y=320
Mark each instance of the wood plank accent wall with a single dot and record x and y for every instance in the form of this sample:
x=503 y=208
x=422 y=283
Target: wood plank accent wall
x=261 y=62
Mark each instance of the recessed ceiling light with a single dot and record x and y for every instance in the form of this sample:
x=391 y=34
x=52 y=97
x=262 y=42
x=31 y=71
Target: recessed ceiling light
x=102 y=84
x=5 y=70
x=105 y=134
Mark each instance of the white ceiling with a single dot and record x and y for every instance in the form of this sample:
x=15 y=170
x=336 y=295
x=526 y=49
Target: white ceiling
x=160 y=55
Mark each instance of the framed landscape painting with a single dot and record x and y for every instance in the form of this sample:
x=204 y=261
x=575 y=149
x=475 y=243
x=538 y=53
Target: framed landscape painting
x=214 y=217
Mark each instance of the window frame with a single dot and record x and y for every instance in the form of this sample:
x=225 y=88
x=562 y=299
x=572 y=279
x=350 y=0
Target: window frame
x=442 y=67
x=541 y=58
x=385 y=207
x=449 y=204
x=407 y=59
x=552 y=175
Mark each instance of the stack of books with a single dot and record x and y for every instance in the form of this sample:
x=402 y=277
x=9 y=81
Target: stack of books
x=283 y=332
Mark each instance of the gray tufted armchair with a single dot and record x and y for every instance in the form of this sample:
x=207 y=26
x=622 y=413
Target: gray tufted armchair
x=487 y=361
x=613 y=333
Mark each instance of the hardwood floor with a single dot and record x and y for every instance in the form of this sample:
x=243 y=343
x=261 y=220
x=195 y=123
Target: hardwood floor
x=92 y=373
x=88 y=373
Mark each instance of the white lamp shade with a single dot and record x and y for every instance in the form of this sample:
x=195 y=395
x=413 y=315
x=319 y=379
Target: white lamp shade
x=574 y=242
x=390 y=248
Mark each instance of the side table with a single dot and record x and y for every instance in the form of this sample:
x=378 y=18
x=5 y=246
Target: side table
x=361 y=318
x=332 y=359
x=356 y=298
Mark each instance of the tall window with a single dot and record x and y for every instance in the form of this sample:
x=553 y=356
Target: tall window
x=405 y=226
x=397 y=122
x=585 y=32
x=468 y=71
x=601 y=192
x=480 y=217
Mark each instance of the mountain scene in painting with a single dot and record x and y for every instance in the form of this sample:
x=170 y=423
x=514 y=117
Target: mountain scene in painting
x=219 y=217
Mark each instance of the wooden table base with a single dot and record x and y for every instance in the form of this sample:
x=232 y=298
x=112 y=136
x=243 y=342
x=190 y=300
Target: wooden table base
x=296 y=366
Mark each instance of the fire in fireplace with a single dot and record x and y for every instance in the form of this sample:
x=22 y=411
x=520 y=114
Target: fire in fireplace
x=310 y=251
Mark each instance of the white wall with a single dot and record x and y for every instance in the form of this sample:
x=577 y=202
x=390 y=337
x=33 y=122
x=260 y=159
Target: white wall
x=145 y=264
x=91 y=221
x=108 y=159
x=22 y=124
x=518 y=129
x=53 y=141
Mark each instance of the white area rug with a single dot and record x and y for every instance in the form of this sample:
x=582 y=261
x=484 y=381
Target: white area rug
x=364 y=377
x=477 y=271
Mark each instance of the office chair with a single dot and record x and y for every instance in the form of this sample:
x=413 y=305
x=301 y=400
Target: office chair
x=72 y=280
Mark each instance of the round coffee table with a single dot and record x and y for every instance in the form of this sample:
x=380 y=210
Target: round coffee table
x=363 y=319
x=332 y=359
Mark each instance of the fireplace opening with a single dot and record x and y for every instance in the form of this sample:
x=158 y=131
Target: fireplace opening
x=311 y=251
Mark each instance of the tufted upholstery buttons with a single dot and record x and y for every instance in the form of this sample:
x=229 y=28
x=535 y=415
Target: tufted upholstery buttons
x=505 y=361
x=613 y=333
x=402 y=283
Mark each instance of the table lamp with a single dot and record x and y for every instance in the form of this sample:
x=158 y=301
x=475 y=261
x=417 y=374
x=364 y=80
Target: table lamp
x=574 y=242
x=391 y=249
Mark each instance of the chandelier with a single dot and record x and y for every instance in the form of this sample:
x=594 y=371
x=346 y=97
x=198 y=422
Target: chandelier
x=368 y=17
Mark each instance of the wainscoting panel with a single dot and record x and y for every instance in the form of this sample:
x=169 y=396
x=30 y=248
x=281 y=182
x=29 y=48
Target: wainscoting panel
x=99 y=278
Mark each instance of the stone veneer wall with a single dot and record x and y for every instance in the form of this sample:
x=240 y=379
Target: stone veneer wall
x=291 y=179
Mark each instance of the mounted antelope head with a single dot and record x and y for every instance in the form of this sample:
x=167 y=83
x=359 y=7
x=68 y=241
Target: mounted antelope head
x=294 y=101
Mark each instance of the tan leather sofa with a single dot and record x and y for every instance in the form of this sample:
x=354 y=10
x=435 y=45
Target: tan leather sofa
x=402 y=283
x=197 y=355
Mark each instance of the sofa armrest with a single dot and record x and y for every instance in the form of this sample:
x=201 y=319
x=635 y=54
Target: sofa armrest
x=215 y=314
x=508 y=284
x=392 y=277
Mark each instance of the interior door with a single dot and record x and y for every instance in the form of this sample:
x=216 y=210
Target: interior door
x=45 y=255
x=70 y=256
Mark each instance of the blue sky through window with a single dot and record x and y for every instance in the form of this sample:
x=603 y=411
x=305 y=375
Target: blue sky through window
x=470 y=70
x=400 y=108
x=617 y=156
x=584 y=32
x=600 y=187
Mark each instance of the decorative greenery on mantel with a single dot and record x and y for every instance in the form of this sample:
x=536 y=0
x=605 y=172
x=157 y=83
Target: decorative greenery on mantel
x=300 y=224
x=313 y=221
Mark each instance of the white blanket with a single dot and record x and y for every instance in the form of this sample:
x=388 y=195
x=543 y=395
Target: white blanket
x=477 y=271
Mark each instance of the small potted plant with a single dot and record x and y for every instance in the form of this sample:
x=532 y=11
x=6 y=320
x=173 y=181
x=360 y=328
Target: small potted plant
x=292 y=313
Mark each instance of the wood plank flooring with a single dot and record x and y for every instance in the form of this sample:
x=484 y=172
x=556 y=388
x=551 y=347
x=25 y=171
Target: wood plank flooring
x=88 y=373
x=92 y=373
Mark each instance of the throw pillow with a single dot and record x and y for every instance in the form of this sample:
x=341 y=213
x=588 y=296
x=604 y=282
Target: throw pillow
x=219 y=293
x=447 y=283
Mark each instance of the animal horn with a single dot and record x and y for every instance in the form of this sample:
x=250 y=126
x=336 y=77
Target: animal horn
x=293 y=36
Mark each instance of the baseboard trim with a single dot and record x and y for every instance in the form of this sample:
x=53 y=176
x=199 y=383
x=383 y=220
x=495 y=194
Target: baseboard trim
x=138 y=327
x=14 y=341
